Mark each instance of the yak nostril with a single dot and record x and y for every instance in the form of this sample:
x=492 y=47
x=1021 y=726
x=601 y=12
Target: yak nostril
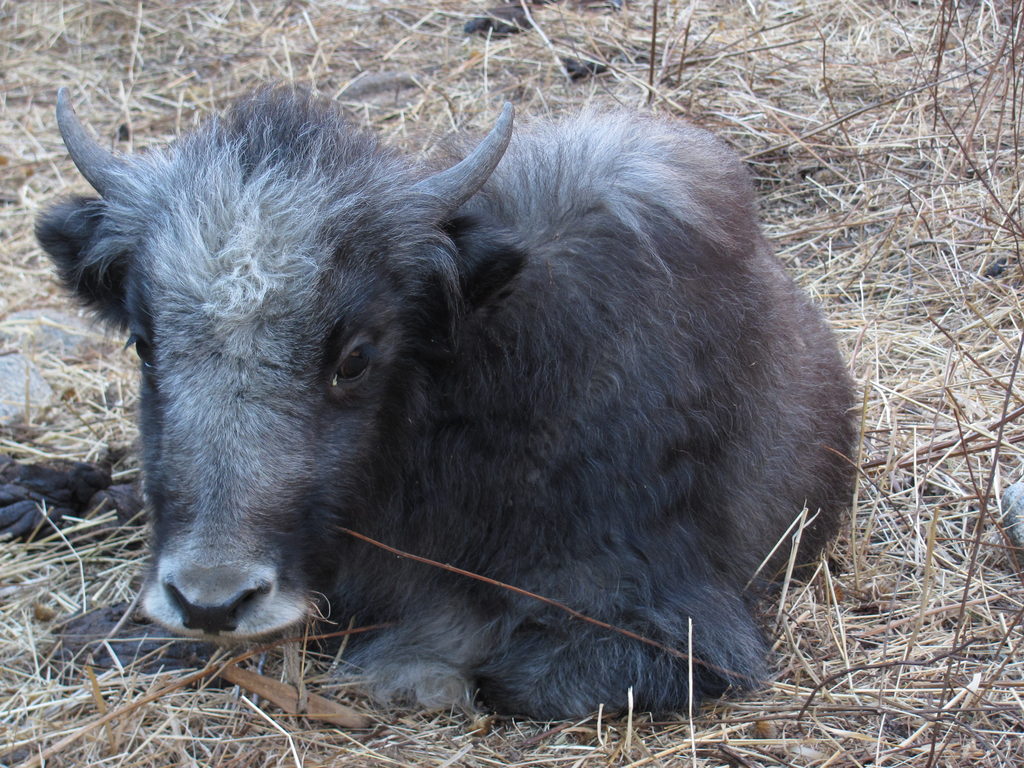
x=246 y=597
x=216 y=610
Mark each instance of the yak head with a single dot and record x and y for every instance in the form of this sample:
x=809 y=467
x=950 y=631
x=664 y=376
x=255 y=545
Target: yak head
x=285 y=282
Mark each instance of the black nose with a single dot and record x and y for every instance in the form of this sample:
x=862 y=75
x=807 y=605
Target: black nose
x=214 y=599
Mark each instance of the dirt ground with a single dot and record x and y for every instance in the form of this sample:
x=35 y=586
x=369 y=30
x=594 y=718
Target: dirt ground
x=885 y=139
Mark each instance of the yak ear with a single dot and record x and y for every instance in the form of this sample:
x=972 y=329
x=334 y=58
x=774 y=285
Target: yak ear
x=90 y=261
x=488 y=257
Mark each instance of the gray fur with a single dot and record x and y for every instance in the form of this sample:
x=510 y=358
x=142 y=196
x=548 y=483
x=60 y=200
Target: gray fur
x=594 y=382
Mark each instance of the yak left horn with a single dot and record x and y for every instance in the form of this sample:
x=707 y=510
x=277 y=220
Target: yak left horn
x=99 y=167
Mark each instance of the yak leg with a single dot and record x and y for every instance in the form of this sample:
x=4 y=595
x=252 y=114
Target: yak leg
x=569 y=669
x=425 y=661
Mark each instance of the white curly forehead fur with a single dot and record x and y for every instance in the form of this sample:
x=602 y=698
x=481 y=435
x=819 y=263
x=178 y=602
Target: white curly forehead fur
x=232 y=243
x=237 y=247
x=238 y=222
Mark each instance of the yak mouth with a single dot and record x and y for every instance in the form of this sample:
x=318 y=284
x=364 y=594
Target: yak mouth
x=235 y=639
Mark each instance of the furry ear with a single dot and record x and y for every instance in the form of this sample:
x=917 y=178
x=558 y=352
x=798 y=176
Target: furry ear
x=489 y=259
x=91 y=263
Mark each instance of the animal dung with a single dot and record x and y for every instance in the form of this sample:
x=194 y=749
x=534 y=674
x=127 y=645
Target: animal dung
x=32 y=494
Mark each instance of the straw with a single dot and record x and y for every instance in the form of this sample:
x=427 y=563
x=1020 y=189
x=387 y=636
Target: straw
x=885 y=142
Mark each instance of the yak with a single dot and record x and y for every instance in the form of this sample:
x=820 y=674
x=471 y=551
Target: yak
x=563 y=361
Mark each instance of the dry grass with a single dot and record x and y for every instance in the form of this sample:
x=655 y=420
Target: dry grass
x=886 y=141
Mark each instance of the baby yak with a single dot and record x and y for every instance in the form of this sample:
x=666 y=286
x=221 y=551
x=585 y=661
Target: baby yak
x=567 y=362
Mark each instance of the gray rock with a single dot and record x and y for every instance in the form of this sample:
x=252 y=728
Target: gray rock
x=22 y=387
x=49 y=330
x=1012 y=505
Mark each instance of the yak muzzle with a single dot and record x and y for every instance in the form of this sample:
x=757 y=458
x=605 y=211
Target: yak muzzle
x=234 y=601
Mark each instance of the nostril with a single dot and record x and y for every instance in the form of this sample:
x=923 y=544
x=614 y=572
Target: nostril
x=213 y=605
x=177 y=598
x=245 y=598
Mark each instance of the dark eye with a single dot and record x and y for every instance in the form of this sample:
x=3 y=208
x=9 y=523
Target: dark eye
x=353 y=367
x=142 y=349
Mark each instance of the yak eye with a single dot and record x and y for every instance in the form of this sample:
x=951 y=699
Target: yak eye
x=142 y=349
x=353 y=367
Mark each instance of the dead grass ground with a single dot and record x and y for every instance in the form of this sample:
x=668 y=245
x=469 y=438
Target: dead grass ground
x=886 y=142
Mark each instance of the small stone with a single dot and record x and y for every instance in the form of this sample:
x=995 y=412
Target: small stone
x=49 y=330
x=1012 y=505
x=996 y=268
x=23 y=390
x=580 y=70
x=501 y=21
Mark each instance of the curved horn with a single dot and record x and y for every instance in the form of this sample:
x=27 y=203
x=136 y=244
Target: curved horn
x=456 y=185
x=99 y=167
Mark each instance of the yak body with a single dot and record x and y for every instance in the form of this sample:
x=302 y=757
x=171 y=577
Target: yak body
x=591 y=380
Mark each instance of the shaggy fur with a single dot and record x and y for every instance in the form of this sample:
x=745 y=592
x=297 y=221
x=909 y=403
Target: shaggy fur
x=593 y=382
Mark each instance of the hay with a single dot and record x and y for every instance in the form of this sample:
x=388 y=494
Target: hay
x=886 y=143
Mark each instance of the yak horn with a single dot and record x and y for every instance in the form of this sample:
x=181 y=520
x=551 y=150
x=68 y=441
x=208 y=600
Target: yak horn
x=456 y=185
x=99 y=167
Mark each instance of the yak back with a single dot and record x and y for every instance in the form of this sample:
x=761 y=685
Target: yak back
x=649 y=389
